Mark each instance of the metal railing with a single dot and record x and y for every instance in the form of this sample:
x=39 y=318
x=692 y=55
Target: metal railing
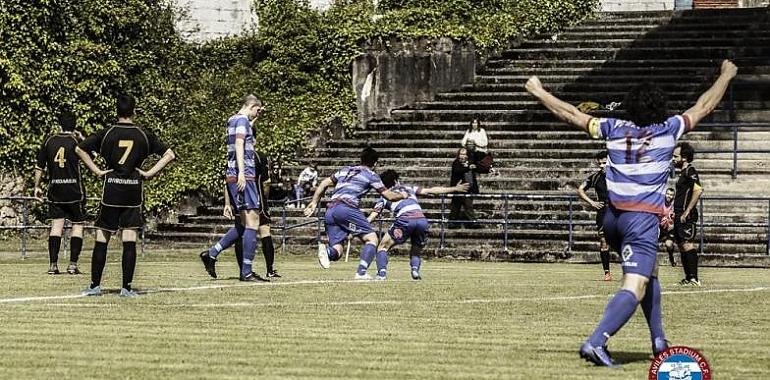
x=734 y=127
x=25 y=225
x=569 y=224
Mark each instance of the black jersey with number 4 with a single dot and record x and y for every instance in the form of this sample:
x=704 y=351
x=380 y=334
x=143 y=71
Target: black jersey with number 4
x=57 y=155
x=124 y=148
x=598 y=181
x=687 y=182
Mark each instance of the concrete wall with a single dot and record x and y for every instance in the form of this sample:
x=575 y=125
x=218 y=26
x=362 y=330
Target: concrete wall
x=637 y=5
x=399 y=73
x=208 y=19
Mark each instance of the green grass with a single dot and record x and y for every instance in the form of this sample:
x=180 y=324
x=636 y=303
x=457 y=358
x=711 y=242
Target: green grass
x=465 y=320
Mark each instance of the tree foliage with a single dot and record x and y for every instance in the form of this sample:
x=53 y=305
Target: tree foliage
x=61 y=55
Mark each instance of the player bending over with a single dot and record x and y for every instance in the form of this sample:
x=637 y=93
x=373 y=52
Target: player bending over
x=343 y=217
x=410 y=223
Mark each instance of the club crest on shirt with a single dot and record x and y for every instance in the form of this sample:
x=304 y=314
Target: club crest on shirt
x=398 y=233
x=627 y=253
x=680 y=363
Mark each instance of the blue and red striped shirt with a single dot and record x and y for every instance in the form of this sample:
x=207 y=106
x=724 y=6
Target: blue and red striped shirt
x=353 y=182
x=407 y=208
x=638 y=160
x=238 y=126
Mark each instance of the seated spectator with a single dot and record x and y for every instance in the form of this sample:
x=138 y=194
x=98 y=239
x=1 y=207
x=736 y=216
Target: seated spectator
x=280 y=187
x=306 y=184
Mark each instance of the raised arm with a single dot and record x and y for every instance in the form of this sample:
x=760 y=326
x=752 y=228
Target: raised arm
x=711 y=98
x=319 y=192
x=563 y=110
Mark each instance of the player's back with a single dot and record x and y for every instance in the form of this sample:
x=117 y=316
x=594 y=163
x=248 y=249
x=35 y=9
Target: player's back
x=405 y=208
x=124 y=148
x=63 y=165
x=353 y=182
x=638 y=161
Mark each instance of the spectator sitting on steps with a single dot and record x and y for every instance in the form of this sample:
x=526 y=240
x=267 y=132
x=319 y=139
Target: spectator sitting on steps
x=306 y=183
x=475 y=141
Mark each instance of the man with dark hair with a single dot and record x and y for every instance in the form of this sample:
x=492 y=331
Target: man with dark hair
x=66 y=194
x=598 y=182
x=234 y=235
x=640 y=151
x=688 y=192
x=242 y=191
x=124 y=147
x=410 y=223
x=343 y=217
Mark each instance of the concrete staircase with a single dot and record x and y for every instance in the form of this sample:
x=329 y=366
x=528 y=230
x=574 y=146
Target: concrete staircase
x=598 y=60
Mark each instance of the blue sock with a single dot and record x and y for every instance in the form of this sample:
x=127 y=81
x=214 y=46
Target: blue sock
x=332 y=253
x=652 y=310
x=618 y=311
x=367 y=256
x=414 y=262
x=249 y=250
x=225 y=242
x=382 y=263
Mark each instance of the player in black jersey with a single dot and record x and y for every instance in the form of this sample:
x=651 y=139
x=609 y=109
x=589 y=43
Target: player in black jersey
x=598 y=182
x=234 y=235
x=66 y=194
x=124 y=147
x=688 y=191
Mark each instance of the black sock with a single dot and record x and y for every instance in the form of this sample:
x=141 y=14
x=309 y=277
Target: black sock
x=605 y=255
x=54 y=243
x=269 y=251
x=239 y=253
x=670 y=251
x=685 y=263
x=129 y=263
x=76 y=245
x=98 y=260
x=692 y=264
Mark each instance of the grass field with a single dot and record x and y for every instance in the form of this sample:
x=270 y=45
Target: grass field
x=465 y=320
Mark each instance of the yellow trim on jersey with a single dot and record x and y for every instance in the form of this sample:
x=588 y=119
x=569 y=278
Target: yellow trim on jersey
x=695 y=186
x=593 y=128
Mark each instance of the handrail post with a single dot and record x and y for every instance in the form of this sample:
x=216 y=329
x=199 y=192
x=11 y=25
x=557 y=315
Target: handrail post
x=25 y=222
x=505 y=223
x=768 y=227
x=283 y=227
x=700 y=211
x=735 y=150
x=569 y=244
x=443 y=222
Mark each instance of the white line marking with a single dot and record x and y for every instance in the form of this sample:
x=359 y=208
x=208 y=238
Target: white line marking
x=349 y=303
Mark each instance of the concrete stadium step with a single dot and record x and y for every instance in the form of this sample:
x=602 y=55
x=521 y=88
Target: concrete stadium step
x=572 y=97
x=703 y=136
x=645 y=42
x=604 y=63
x=657 y=34
x=637 y=53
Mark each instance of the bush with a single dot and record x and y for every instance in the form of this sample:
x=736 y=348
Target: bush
x=79 y=55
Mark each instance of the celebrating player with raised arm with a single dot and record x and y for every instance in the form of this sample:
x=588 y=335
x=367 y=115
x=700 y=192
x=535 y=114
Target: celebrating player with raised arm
x=640 y=151
x=343 y=217
x=410 y=223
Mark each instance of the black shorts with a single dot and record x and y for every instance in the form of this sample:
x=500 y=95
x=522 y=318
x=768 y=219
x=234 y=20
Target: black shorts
x=74 y=212
x=685 y=232
x=116 y=218
x=264 y=217
x=600 y=221
x=664 y=235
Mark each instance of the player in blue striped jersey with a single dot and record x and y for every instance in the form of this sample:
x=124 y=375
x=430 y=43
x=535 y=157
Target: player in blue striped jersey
x=343 y=216
x=640 y=151
x=410 y=223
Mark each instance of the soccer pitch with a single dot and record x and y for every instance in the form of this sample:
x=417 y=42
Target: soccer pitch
x=465 y=320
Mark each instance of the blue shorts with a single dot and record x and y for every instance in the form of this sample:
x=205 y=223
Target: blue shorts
x=248 y=199
x=343 y=220
x=634 y=235
x=403 y=229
